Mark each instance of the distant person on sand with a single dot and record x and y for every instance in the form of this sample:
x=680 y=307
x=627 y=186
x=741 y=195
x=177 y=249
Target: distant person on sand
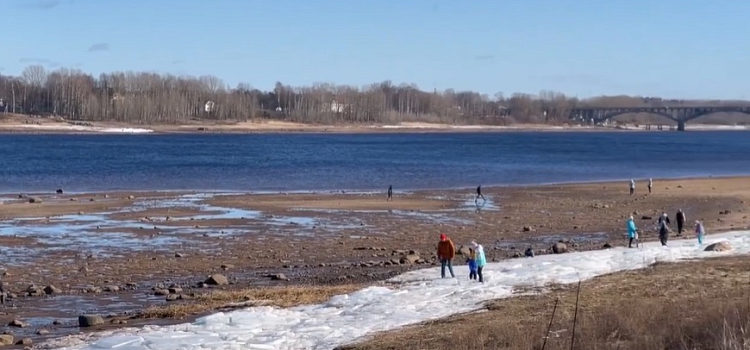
x=446 y=252
x=481 y=260
x=632 y=186
x=390 y=192
x=632 y=232
x=681 y=219
x=699 y=231
x=479 y=193
x=650 y=185
x=471 y=260
x=663 y=229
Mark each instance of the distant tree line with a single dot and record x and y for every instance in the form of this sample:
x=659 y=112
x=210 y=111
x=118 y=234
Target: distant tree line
x=149 y=98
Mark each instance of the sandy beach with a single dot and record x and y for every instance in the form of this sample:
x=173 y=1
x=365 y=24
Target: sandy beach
x=119 y=247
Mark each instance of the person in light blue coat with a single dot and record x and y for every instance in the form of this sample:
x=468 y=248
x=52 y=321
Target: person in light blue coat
x=632 y=232
x=481 y=260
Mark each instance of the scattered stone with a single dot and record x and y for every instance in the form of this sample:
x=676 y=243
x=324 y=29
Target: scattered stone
x=230 y=266
x=17 y=323
x=35 y=200
x=217 y=280
x=173 y=297
x=178 y=255
x=175 y=290
x=90 y=320
x=7 y=339
x=527 y=229
x=529 y=253
x=57 y=322
x=559 y=248
x=131 y=197
x=160 y=291
x=94 y=290
x=725 y=212
x=279 y=277
x=111 y=289
x=42 y=332
x=409 y=259
x=463 y=251
x=719 y=247
x=52 y=290
x=25 y=341
x=59 y=191
x=607 y=246
x=646 y=217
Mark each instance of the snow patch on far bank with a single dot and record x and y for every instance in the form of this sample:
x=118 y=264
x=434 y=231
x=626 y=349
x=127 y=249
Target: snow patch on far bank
x=52 y=127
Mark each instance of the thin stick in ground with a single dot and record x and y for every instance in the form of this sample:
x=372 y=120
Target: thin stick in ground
x=575 y=316
x=549 y=327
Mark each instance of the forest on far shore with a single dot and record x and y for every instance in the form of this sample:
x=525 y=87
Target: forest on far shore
x=150 y=98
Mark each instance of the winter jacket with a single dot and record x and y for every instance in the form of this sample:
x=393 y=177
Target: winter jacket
x=481 y=260
x=699 y=229
x=631 y=229
x=472 y=265
x=681 y=217
x=446 y=250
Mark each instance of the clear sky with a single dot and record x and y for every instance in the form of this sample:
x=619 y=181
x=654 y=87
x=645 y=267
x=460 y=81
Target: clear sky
x=667 y=48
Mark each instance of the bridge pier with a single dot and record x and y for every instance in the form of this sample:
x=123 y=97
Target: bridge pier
x=680 y=125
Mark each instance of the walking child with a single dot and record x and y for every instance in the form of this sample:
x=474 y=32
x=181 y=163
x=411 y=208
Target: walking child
x=480 y=259
x=699 y=231
x=472 y=261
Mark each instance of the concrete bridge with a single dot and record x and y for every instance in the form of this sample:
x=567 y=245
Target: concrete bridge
x=681 y=115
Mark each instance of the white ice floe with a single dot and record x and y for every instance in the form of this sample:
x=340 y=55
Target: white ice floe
x=413 y=297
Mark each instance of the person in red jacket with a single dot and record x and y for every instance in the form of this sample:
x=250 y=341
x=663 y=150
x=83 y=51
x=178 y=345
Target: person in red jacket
x=446 y=251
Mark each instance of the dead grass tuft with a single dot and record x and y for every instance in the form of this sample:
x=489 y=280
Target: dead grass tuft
x=684 y=306
x=231 y=299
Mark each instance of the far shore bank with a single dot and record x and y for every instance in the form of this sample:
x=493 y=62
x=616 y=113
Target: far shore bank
x=43 y=126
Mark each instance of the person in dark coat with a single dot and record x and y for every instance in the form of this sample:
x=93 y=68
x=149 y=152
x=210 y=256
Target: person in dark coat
x=479 y=193
x=681 y=219
x=390 y=192
x=663 y=229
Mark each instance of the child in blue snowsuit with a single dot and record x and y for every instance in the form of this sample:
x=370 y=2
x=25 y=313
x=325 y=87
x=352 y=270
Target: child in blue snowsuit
x=472 y=261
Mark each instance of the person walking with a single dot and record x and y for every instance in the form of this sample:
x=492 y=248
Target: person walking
x=650 y=185
x=479 y=193
x=663 y=229
x=632 y=187
x=471 y=260
x=390 y=192
x=699 y=231
x=681 y=219
x=480 y=259
x=446 y=251
x=632 y=232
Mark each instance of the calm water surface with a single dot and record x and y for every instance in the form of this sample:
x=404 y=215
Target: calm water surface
x=359 y=162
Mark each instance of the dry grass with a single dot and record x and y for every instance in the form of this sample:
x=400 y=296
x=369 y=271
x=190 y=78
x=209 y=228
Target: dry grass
x=232 y=299
x=687 y=306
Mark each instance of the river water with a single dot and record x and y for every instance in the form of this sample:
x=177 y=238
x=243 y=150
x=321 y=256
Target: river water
x=302 y=162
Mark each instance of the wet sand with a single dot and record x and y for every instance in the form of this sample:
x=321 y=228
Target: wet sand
x=135 y=241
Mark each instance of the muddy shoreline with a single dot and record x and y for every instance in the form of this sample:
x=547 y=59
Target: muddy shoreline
x=107 y=252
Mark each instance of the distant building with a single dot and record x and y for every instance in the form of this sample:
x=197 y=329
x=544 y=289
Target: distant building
x=209 y=107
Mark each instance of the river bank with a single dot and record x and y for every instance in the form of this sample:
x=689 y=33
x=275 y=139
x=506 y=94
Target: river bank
x=23 y=124
x=124 y=250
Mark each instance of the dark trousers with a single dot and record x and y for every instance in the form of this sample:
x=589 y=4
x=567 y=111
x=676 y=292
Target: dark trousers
x=649 y=189
x=679 y=227
x=630 y=243
x=472 y=275
x=443 y=264
x=663 y=237
x=479 y=273
x=632 y=190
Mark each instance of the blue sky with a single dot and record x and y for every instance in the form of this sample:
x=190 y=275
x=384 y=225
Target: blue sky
x=668 y=48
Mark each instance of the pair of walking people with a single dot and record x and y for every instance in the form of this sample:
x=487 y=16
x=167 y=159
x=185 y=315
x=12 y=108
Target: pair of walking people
x=476 y=260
